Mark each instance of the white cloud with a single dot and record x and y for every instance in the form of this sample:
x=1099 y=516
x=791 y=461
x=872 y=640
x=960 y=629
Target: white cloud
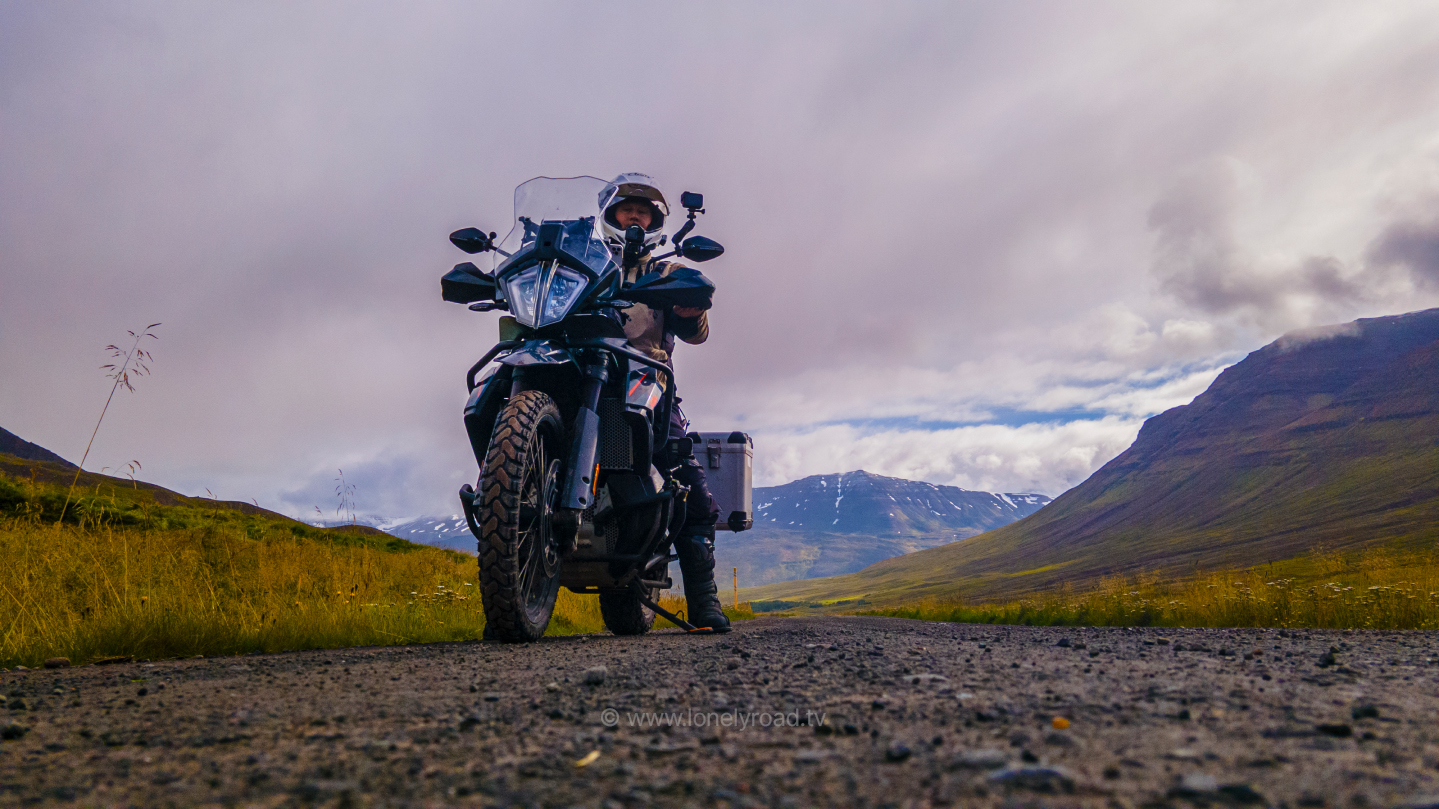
x=1043 y=458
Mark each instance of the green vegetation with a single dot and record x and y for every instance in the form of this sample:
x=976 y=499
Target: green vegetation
x=1372 y=589
x=127 y=575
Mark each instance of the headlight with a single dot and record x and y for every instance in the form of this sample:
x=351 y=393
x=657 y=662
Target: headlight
x=543 y=294
x=565 y=289
x=523 y=292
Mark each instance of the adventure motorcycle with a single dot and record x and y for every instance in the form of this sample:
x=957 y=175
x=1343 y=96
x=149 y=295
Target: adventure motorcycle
x=565 y=417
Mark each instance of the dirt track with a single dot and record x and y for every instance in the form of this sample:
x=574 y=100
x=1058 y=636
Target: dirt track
x=914 y=714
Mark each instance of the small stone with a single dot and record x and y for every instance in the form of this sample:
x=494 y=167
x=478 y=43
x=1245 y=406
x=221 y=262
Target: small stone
x=1112 y=773
x=596 y=675
x=12 y=731
x=1059 y=740
x=552 y=686
x=492 y=697
x=1242 y=794
x=1018 y=739
x=732 y=665
x=979 y=760
x=1063 y=643
x=1198 y=782
x=57 y=663
x=877 y=705
x=1047 y=780
x=142 y=692
x=897 y=752
x=1364 y=712
x=1327 y=659
x=21 y=668
x=16 y=704
x=1336 y=730
x=1059 y=723
x=1163 y=641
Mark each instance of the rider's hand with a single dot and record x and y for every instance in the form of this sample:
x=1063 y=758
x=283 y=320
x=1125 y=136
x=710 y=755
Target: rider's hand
x=688 y=311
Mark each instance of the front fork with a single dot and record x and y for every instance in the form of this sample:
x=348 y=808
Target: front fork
x=580 y=479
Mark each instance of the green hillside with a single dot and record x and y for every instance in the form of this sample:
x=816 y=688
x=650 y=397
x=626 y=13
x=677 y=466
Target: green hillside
x=1309 y=442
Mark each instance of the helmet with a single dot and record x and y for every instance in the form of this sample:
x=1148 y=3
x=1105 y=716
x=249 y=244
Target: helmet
x=632 y=185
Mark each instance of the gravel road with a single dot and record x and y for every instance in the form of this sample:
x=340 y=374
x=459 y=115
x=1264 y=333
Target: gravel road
x=781 y=712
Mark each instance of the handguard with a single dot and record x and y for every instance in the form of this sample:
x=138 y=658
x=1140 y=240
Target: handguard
x=685 y=287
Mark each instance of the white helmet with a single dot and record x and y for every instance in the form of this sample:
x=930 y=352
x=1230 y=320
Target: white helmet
x=632 y=185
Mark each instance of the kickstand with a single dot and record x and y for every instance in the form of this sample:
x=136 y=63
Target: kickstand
x=675 y=619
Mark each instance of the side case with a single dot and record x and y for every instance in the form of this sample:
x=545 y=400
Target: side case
x=728 y=460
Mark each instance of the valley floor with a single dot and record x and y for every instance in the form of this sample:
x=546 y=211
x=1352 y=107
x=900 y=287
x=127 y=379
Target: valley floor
x=844 y=711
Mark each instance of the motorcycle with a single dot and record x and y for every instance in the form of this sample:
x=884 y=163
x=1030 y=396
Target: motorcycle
x=565 y=418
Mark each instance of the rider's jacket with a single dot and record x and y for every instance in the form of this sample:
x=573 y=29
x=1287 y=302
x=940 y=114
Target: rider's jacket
x=653 y=331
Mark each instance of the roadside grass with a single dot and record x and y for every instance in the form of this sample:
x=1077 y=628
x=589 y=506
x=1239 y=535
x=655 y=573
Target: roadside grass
x=123 y=577
x=1375 y=588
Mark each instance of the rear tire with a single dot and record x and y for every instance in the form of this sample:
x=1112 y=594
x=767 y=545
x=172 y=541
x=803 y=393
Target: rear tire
x=518 y=550
x=624 y=614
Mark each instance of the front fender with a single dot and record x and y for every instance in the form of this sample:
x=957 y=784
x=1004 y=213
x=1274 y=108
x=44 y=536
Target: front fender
x=538 y=352
x=483 y=406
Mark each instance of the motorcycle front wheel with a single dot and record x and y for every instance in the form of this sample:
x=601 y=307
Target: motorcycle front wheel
x=519 y=485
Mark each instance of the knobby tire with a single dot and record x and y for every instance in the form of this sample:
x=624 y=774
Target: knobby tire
x=519 y=486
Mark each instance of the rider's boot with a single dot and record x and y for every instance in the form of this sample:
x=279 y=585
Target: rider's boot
x=695 y=548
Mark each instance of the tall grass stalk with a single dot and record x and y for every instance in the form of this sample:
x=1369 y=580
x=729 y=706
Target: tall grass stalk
x=135 y=361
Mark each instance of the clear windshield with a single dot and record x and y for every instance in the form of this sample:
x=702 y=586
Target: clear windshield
x=572 y=200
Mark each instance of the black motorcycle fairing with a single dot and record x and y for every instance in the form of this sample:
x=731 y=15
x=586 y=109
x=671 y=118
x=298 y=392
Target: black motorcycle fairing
x=538 y=352
x=604 y=324
x=551 y=241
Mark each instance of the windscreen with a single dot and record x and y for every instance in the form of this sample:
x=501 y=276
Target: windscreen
x=575 y=201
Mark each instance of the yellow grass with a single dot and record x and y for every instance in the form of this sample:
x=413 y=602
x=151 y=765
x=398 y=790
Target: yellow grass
x=1378 y=588
x=230 y=584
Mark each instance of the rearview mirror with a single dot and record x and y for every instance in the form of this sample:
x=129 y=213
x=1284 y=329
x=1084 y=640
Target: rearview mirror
x=473 y=240
x=699 y=248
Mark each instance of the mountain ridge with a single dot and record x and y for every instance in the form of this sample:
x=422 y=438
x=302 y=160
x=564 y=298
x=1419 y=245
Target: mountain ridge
x=1328 y=437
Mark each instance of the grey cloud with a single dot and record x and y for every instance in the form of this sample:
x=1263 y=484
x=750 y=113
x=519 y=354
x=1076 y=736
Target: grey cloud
x=929 y=210
x=1412 y=245
x=1198 y=260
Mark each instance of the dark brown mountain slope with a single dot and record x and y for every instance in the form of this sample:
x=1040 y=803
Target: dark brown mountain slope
x=1323 y=438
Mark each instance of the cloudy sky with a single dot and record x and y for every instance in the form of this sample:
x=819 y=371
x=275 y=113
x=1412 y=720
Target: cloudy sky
x=969 y=243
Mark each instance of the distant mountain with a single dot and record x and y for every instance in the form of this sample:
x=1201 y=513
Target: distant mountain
x=822 y=525
x=863 y=503
x=1323 y=438
x=444 y=532
x=12 y=444
x=827 y=525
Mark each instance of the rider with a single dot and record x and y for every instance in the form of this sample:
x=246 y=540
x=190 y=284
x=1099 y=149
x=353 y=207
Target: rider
x=635 y=200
